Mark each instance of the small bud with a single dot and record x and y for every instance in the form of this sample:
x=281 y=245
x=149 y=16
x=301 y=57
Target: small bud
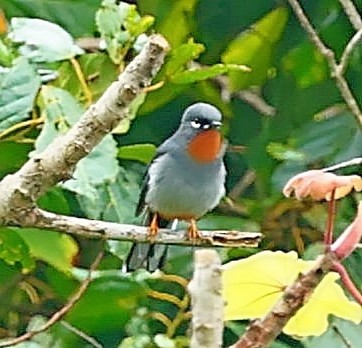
x=348 y=240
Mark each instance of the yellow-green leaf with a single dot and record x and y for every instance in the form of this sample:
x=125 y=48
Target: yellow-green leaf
x=56 y=249
x=139 y=152
x=254 y=48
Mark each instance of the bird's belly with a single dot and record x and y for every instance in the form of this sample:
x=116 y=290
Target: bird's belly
x=185 y=194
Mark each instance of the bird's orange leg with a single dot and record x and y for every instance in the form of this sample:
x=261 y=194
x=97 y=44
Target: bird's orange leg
x=153 y=228
x=193 y=232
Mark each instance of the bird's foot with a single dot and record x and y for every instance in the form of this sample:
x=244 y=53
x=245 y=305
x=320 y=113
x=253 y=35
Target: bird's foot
x=153 y=228
x=193 y=232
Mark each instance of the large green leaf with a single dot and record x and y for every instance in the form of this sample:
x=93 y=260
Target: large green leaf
x=99 y=167
x=108 y=304
x=255 y=48
x=56 y=249
x=114 y=200
x=76 y=16
x=19 y=86
x=43 y=41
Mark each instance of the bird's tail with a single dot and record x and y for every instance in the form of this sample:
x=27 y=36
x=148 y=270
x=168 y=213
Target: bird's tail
x=147 y=255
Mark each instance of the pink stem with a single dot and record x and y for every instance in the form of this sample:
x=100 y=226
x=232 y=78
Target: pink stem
x=328 y=235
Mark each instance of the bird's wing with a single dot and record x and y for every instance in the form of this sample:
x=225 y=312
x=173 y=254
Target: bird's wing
x=141 y=201
x=144 y=187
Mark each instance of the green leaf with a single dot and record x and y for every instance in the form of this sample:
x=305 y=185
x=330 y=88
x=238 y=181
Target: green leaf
x=19 y=86
x=43 y=41
x=60 y=110
x=255 y=48
x=339 y=332
x=162 y=341
x=138 y=152
x=12 y=156
x=65 y=13
x=119 y=26
x=114 y=200
x=306 y=74
x=137 y=341
x=57 y=249
x=98 y=167
x=6 y=54
x=175 y=62
x=13 y=249
x=284 y=152
x=181 y=55
x=55 y=201
x=174 y=18
x=204 y=73
x=330 y=140
x=327 y=138
x=112 y=297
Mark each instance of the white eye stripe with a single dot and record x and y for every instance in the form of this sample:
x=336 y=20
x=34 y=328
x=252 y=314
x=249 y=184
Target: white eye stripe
x=195 y=124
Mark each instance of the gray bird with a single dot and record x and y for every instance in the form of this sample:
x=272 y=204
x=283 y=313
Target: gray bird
x=184 y=181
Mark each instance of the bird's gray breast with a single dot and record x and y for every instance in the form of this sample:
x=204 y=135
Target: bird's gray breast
x=178 y=186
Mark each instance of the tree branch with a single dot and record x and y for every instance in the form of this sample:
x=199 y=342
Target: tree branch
x=56 y=163
x=57 y=316
x=352 y=13
x=98 y=229
x=206 y=301
x=263 y=331
x=337 y=70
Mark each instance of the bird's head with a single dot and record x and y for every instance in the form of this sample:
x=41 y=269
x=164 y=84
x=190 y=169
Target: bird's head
x=200 y=125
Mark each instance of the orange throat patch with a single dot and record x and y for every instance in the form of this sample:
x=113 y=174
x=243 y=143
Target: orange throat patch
x=205 y=147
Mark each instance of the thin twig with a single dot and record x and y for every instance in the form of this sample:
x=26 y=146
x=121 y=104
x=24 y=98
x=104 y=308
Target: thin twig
x=348 y=50
x=353 y=162
x=352 y=13
x=91 y=340
x=336 y=71
x=86 y=91
x=57 y=316
x=243 y=183
x=257 y=102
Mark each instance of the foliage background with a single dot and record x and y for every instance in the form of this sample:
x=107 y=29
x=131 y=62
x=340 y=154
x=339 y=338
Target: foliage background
x=310 y=127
